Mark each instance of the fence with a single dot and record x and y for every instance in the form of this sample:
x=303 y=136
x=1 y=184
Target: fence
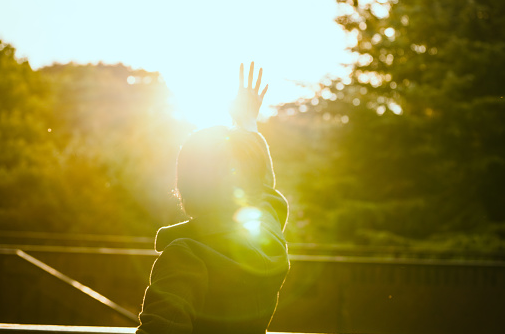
x=325 y=294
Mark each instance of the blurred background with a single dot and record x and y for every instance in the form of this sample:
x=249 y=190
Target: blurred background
x=386 y=127
x=386 y=119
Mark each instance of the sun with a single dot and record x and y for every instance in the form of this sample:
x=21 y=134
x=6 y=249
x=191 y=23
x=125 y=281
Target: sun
x=206 y=101
x=202 y=108
x=201 y=94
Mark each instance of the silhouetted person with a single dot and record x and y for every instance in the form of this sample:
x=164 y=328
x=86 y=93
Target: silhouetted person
x=221 y=271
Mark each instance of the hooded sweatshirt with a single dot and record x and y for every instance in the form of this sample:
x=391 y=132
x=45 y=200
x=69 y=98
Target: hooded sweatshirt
x=219 y=273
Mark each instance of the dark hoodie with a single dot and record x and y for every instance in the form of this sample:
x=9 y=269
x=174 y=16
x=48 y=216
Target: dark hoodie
x=219 y=273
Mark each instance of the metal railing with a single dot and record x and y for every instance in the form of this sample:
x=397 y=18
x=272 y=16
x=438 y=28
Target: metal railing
x=55 y=329
x=59 y=329
x=6 y=248
x=323 y=293
x=15 y=238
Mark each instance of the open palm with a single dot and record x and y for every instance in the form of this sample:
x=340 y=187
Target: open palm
x=247 y=104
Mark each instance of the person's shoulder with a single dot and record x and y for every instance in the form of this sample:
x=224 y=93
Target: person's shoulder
x=167 y=234
x=182 y=254
x=184 y=245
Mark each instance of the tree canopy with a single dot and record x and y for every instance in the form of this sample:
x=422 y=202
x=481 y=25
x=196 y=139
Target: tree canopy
x=85 y=148
x=413 y=140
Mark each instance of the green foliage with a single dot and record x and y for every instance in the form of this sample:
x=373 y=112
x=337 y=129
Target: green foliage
x=25 y=143
x=84 y=150
x=413 y=145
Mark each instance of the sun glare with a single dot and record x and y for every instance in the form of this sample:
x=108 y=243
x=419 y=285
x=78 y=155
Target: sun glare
x=249 y=217
x=197 y=46
x=203 y=106
x=206 y=104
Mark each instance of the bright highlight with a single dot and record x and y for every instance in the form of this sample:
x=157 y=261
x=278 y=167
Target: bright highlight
x=249 y=217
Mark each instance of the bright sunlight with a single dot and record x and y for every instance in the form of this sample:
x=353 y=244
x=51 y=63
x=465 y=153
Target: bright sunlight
x=197 y=46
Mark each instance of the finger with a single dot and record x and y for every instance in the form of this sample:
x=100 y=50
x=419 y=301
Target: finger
x=241 y=76
x=258 y=81
x=251 y=71
x=264 y=91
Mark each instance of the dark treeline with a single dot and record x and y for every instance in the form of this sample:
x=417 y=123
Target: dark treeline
x=408 y=152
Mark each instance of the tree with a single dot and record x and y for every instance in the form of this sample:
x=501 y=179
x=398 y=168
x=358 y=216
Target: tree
x=26 y=141
x=122 y=118
x=418 y=125
x=85 y=148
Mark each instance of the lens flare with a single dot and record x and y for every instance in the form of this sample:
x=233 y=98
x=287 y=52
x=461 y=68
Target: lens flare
x=249 y=218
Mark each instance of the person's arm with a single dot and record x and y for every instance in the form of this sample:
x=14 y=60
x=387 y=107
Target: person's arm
x=244 y=112
x=177 y=289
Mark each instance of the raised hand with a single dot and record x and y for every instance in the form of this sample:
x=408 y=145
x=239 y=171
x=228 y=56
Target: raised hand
x=246 y=106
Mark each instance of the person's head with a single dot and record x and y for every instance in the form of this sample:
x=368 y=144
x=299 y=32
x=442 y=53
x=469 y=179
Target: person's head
x=220 y=169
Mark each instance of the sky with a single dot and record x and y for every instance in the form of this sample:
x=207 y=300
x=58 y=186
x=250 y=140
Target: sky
x=196 y=45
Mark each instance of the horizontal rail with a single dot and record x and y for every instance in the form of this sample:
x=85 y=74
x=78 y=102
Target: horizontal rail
x=78 y=249
x=148 y=242
x=397 y=261
x=9 y=249
x=83 y=237
x=22 y=328
x=53 y=329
